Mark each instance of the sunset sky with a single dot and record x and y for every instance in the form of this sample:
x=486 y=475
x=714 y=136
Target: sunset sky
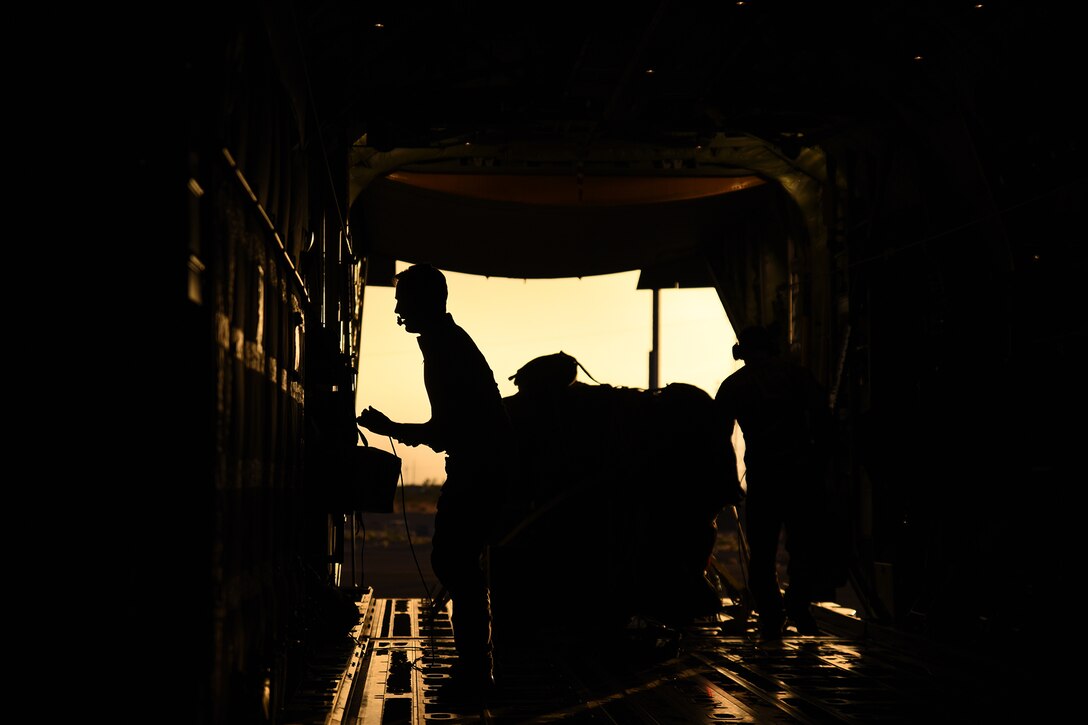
x=604 y=322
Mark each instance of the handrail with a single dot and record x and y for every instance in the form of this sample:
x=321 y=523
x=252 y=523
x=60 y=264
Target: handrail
x=268 y=221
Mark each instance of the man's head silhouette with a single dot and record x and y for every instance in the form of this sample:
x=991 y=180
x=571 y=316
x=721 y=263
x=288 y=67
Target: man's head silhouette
x=421 y=297
x=753 y=341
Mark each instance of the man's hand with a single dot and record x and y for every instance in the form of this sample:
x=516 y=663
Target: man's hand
x=376 y=421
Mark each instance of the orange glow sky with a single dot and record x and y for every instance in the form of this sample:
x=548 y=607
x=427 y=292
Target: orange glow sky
x=603 y=321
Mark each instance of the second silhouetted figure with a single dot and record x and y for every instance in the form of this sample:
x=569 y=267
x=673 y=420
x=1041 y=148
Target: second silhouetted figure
x=784 y=416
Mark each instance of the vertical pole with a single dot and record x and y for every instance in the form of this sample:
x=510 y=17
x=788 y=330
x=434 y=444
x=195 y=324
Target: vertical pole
x=655 y=350
x=354 y=576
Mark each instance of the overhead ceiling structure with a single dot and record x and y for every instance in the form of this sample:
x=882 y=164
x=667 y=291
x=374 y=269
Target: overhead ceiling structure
x=497 y=218
x=560 y=139
x=586 y=141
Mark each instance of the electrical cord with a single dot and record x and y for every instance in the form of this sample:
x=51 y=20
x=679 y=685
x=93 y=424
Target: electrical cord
x=407 y=528
x=411 y=547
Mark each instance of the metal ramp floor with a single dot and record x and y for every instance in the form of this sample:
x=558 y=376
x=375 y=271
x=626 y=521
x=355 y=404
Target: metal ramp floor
x=715 y=671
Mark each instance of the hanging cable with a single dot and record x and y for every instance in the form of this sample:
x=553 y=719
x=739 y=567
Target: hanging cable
x=317 y=120
x=407 y=528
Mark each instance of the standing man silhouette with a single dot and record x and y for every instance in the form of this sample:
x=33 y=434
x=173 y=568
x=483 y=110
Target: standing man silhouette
x=469 y=423
x=784 y=416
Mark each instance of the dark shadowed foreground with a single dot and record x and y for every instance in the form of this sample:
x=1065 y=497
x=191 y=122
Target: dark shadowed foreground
x=386 y=666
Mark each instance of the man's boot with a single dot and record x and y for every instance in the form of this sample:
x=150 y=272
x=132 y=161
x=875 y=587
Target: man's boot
x=471 y=683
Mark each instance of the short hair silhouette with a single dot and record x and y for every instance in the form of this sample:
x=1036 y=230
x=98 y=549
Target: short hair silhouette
x=425 y=283
x=753 y=339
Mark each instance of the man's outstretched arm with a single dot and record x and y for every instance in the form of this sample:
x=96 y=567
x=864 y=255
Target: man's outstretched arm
x=410 y=434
